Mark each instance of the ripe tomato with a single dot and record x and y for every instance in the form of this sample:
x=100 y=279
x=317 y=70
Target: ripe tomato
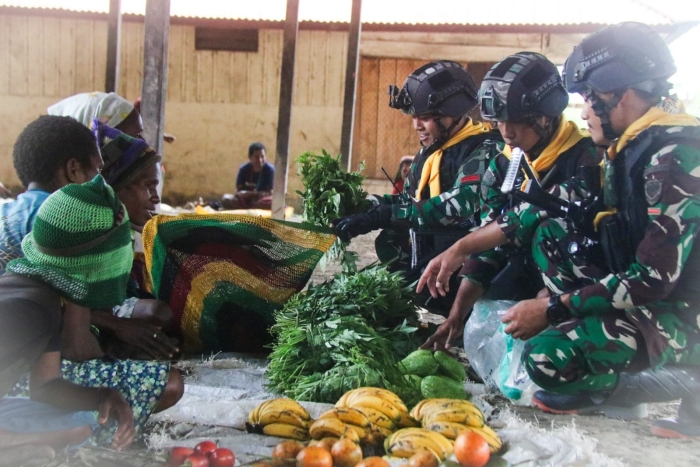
x=471 y=449
x=206 y=447
x=197 y=460
x=178 y=454
x=222 y=457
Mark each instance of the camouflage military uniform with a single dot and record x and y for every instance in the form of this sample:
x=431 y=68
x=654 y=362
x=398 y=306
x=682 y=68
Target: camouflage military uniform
x=483 y=267
x=461 y=169
x=646 y=315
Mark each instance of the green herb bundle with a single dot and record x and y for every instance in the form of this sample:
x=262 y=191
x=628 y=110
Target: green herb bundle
x=330 y=193
x=343 y=334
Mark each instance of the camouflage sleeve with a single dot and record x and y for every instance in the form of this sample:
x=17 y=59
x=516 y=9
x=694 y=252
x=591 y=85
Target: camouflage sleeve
x=482 y=268
x=672 y=188
x=492 y=199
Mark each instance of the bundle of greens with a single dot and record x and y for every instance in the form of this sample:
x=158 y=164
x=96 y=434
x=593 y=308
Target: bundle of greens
x=343 y=334
x=330 y=193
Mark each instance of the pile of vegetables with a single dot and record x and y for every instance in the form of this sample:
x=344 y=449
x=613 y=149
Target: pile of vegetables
x=330 y=193
x=344 y=334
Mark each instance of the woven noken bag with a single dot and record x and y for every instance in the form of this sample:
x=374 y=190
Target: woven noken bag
x=203 y=264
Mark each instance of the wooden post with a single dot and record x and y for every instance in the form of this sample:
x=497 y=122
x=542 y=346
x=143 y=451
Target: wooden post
x=114 y=34
x=155 y=75
x=284 y=118
x=351 y=69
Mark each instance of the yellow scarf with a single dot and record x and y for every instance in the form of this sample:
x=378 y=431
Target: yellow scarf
x=656 y=116
x=565 y=137
x=431 y=170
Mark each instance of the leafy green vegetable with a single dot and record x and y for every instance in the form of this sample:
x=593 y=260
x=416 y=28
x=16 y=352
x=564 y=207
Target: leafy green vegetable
x=330 y=193
x=343 y=334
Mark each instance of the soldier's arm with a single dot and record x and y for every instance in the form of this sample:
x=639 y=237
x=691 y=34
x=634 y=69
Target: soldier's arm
x=673 y=200
x=492 y=198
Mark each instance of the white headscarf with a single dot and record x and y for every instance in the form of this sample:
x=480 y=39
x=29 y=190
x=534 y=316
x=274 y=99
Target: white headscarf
x=110 y=109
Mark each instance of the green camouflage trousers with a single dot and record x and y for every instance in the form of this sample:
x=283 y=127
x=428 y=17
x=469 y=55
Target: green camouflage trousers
x=587 y=353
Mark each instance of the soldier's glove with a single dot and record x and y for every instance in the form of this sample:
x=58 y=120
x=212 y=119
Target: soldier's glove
x=349 y=227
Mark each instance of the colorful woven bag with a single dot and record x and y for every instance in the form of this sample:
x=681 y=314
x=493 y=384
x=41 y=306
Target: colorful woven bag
x=227 y=270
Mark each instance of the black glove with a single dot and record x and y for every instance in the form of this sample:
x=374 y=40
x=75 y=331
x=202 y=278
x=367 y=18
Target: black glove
x=349 y=227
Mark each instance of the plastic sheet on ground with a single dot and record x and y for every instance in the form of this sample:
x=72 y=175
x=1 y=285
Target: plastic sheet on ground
x=221 y=392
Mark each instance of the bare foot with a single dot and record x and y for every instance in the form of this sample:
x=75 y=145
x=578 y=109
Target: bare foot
x=22 y=455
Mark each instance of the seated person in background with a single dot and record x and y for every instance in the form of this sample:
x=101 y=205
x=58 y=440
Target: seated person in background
x=401 y=174
x=109 y=108
x=50 y=150
x=65 y=268
x=254 y=182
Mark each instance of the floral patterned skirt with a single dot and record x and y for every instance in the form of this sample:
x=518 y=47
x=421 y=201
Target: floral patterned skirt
x=142 y=384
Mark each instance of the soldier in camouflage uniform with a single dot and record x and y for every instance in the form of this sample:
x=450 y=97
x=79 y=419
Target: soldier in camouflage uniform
x=625 y=322
x=441 y=191
x=556 y=150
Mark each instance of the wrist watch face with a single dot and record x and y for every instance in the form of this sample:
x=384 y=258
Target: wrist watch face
x=557 y=312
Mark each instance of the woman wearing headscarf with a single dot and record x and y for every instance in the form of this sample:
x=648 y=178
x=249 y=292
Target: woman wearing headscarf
x=109 y=108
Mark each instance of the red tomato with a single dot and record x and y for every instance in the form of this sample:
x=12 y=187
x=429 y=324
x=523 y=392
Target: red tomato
x=197 y=460
x=206 y=448
x=178 y=454
x=222 y=457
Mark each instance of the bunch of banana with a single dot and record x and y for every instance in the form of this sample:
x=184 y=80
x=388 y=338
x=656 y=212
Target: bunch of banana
x=385 y=410
x=334 y=427
x=409 y=441
x=282 y=417
x=450 y=417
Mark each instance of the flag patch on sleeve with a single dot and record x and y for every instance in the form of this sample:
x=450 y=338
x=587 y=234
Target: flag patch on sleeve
x=470 y=178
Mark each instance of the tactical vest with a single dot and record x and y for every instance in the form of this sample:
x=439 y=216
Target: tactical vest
x=625 y=189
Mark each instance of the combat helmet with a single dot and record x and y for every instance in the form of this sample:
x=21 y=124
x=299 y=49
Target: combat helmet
x=522 y=85
x=443 y=87
x=618 y=57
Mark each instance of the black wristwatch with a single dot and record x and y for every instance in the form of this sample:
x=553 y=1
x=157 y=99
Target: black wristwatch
x=557 y=312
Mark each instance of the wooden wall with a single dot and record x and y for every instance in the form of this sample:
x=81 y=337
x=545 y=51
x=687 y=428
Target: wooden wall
x=218 y=102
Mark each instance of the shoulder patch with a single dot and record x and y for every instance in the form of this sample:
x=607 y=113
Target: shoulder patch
x=471 y=167
x=652 y=191
x=488 y=181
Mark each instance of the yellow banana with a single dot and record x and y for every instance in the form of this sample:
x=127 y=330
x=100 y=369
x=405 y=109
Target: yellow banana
x=254 y=415
x=377 y=403
x=274 y=406
x=361 y=432
x=463 y=417
x=433 y=441
x=417 y=410
x=442 y=405
x=342 y=402
x=285 y=416
x=376 y=417
x=406 y=448
x=406 y=421
x=324 y=427
x=385 y=394
x=449 y=430
x=491 y=437
x=284 y=430
x=347 y=415
x=493 y=440
x=381 y=431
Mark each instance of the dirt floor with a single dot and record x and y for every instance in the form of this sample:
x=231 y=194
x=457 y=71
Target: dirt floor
x=629 y=442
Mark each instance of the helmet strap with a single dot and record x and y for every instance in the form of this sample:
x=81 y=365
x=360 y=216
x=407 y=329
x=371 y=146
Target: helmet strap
x=444 y=134
x=602 y=111
x=545 y=133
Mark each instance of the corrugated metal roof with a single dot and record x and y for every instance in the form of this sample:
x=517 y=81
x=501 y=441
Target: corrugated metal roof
x=501 y=12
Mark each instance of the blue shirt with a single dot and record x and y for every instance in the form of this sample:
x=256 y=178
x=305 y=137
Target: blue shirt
x=16 y=221
x=263 y=180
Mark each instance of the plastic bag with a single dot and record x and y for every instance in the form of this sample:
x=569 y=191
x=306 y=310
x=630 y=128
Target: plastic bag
x=495 y=355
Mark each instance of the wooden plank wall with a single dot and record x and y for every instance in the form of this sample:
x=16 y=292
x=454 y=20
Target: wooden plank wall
x=56 y=57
